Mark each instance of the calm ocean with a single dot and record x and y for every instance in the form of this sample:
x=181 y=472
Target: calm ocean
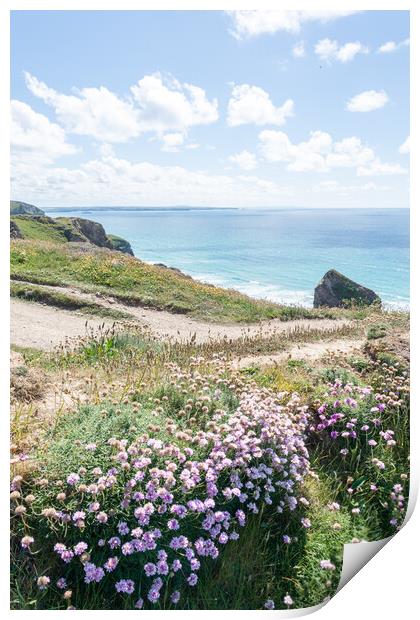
x=274 y=254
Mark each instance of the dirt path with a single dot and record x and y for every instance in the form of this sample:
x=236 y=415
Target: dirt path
x=304 y=351
x=43 y=327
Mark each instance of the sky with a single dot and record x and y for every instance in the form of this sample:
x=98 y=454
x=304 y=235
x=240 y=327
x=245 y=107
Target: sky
x=210 y=108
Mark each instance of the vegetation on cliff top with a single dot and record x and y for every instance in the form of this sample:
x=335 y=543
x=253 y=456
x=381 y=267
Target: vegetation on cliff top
x=64 y=230
x=152 y=474
x=97 y=488
x=134 y=282
x=20 y=208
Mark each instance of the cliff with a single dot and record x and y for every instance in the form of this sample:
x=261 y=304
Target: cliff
x=20 y=208
x=336 y=290
x=65 y=230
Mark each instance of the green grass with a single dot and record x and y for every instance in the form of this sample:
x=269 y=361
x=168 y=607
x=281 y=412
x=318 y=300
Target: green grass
x=120 y=244
x=19 y=208
x=39 y=229
x=260 y=566
x=30 y=292
x=377 y=330
x=134 y=282
x=133 y=389
x=309 y=585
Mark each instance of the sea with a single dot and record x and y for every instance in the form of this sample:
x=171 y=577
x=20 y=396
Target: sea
x=275 y=254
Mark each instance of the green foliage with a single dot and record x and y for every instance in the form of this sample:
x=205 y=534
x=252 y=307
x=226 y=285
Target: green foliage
x=330 y=375
x=377 y=330
x=360 y=364
x=20 y=208
x=134 y=282
x=66 y=301
x=387 y=357
x=120 y=244
x=39 y=229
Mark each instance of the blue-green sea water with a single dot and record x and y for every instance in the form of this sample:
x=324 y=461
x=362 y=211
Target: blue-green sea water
x=277 y=254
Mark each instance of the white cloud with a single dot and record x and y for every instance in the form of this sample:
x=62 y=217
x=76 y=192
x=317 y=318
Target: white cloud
x=377 y=168
x=329 y=50
x=106 y=150
x=326 y=49
x=392 y=46
x=348 y=51
x=276 y=146
x=386 y=48
x=336 y=187
x=245 y=160
x=113 y=181
x=167 y=104
x=367 y=101
x=156 y=105
x=298 y=50
x=405 y=147
x=321 y=154
x=34 y=139
x=253 y=23
x=93 y=112
x=252 y=104
x=171 y=142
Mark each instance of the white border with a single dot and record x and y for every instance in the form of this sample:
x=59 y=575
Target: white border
x=387 y=586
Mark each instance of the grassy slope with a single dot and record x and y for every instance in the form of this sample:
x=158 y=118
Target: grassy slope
x=261 y=566
x=125 y=373
x=138 y=283
x=17 y=208
x=39 y=230
x=30 y=292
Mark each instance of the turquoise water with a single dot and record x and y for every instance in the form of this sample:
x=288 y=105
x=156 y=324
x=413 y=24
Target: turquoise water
x=274 y=254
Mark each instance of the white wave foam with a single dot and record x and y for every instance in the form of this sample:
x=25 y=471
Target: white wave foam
x=277 y=294
x=259 y=290
x=396 y=305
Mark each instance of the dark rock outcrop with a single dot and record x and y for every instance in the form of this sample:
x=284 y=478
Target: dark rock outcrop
x=336 y=291
x=64 y=229
x=86 y=230
x=14 y=231
x=120 y=244
x=23 y=208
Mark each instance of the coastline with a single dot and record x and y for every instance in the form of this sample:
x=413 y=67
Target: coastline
x=249 y=250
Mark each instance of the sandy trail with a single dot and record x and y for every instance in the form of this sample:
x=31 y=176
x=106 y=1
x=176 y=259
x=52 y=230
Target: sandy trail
x=304 y=351
x=43 y=327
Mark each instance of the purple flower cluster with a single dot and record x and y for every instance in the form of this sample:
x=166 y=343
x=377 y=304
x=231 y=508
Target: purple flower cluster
x=214 y=476
x=350 y=413
x=93 y=573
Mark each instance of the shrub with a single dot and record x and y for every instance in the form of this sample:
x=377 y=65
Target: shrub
x=378 y=330
x=128 y=520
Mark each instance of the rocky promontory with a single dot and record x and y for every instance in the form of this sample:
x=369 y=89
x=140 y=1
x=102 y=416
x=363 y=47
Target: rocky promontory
x=29 y=222
x=336 y=290
x=17 y=207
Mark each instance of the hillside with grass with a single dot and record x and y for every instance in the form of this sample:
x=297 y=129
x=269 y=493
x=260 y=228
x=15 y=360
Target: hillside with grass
x=152 y=474
x=20 y=208
x=134 y=282
x=30 y=223
x=222 y=464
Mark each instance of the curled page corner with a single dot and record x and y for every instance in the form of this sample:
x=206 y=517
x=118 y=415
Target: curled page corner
x=356 y=556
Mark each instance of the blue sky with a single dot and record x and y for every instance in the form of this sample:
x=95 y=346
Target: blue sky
x=207 y=108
